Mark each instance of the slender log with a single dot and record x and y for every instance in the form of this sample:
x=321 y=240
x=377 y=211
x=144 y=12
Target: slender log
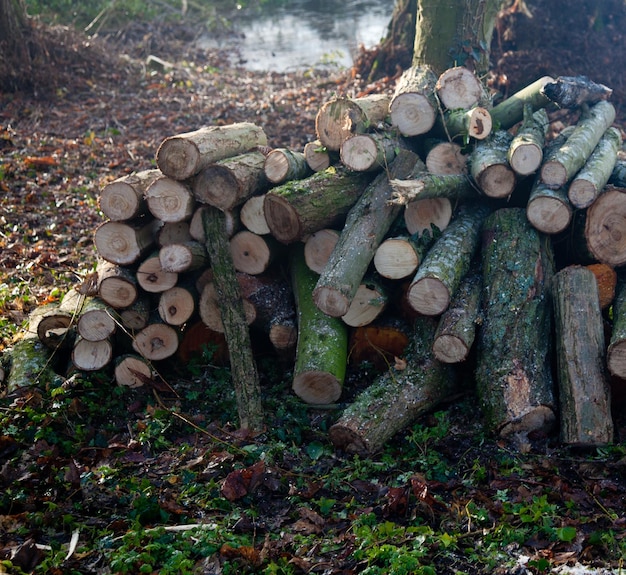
x=243 y=367
x=54 y=322
x=399 y=257
x=490 y=168
x=574 y=91
x=473 y=123
x=447 y=262
x=133 y=371
x=173 y=233
x=369 y=301
x=460 y=88
x=413 y=107
x=296 y=209
x=283 y=164
x=184 y=155
x=396 y=398
x=583 y=386
x=366 y=225
x=253 y=217
x=170 y=200
x=322 y=349
x=513 y=372
x=156 y=341
x=561 y=167
x=594 y=175
x=92 y=355
x=445 y=158
x=229 y=183
x=525 y=152
x=340 y=118
x=616 y=352
x=137 y=315
x=317 y=156
x=153 y=278
x=605 y=227
x=380 y=342
x=125 y=243
x=457 y=326
x=178 y=304
x=549 y=210
x=318 y=247
x=178 y=258
x=232 y=222
x=123 y=199
x=97 y=320
x=253 y=254
x=424 y=186
x=511 y=111
x=368 y=152
x=117 y=285
x=421 y=215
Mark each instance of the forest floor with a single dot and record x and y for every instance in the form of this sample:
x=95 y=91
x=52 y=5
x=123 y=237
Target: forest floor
x=95 y=479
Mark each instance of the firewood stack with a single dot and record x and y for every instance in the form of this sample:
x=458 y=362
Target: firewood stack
x=417 y=228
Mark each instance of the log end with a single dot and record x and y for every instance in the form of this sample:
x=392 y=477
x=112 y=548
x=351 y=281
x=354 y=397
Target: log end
x=412 y=114
x=282 y=219
x=497 y=181
x=317 y=387
x=450 y=349
x=538 y=418
x=480 y=124
x=582 y=193
x=549 y=215
x=605 y=227
x=178 y=158
x=119 y=202
x=428 y=296
x=553 y=174
x=526 y=159
x=331 y=301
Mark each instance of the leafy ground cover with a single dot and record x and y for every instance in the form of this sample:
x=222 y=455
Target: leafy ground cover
x=100 y=479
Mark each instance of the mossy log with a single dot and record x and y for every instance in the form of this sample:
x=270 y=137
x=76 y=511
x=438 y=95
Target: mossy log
x=511 y=111
x=513 y=373
x=490 y=168
x=413 y=107
x=424 y=186
x=525 y=152
x=397 y=397
x=584 y=390
x=322 y=348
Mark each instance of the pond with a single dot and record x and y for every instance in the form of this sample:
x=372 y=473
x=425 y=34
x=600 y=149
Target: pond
x=305 y=33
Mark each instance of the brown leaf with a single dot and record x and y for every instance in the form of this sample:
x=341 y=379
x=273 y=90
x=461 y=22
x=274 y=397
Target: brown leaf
x=240 y=482
x=248 y=554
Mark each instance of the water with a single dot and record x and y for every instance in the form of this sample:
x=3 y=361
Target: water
x=307 y=33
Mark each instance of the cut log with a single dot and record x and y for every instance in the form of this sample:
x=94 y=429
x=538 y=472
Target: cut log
x=137 y=315
x=413 y=107
x=563 y=164
x=318 y=156
x=253 y=217
x=511 y=111
x=178 y=258
x=322 y=349
x=299 y=208
x=583 y=385
x=340 y=118
x=425 y=186
x=444 y=158
x=156 y=341
x=605 y=227
x=117 y=285
x=380 y=343
x=447 y=262
x=243 y=368
x=574 y=91
x=594 y=175
x=606 y=278
x=318 y=247
x=421 y=216
x=125 y=243
x=369 y=301
x=173 y=233
x=123 y=199
x=616 y=352
x=513 y=373
x=396 y=398
x=97 y=320
x=55 y=321
x=399 y=257
x=253 y=254
x=369 y=152
x=210 y=309
x=232 y=221
x=170 y=200
x=457 y=326
x=460 y=88
x=133 y=371
x=92 y=355
x=463 y=124
x=153 y=278
x=549 y=210
x=229 y=183
x=282 y=165
x=178 y=304
x=526 y=149
x=490 y=168
x=367 y=223
x=184 y=155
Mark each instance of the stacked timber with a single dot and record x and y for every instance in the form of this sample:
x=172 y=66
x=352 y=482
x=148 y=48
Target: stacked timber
x=418 y=231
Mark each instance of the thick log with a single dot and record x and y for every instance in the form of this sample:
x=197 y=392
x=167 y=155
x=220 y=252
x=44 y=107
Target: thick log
x=178 y=304
x=123 y=199
x=170 y=200
x=322 y=348
x=232 y=222
x=317 y=156
x=318 y=247
x=340 y=118
x=584 y=390
x=54 y=322
x=133 y=371
x=421 y=216
x=563 y=164
x=459 y=88
x=97 y=320
x=457 y=326
x=152 y=277
x=511 y=111
x=243 y=368
x=137 y=315
x=299 y=208
x=513 y=373
x=117 y=285
x=283 y=164
x=184 y=155
x=413 y=107
x=156 y=341
x=616 y=352
x=525 y=152
x=605 y=227
x=125 y=243
x=594 y=175
x=369 y=301
x=229 y=183
x=464 y=124
x=380 y=343
x=92 y=355
x=549 y=209
x=574 y=91
x=445 y=158
x=369 y=152
x=490 y=168
x=253 y=217
x=173 y=233
x=253 y=254
x=447 y=262
x=178 y=258
x=366 y=226
x=396 y=398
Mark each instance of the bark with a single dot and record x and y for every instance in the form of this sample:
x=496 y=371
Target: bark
x=170 y=200
x=422 y=216
x=490 y=168
x=511 y=111
x=447 y=262
x=460 y=88
x=616 y=352
x=605 y=227
x=464 y=124
x=513 y=373
x=318 y=247
x=242 y=365
x=340 y=118
x=396 y=398
x=444 y=158
x=253 y=217
x=369 y=152
x=594 y=175
x=583 y=386
x=229 y=183
x=424 y=186
x=125 y=243
x=173 y=233
x=253 y=254
x=210 y=308
x=574 y=91
x=369 y=301
x=97 y=320
x=232 y=223
x=297 y=209
x=178 y=304
x=184 y=155
x=413 y=108
x=153 y=278
x=178 y=258
x=317 y=156
x=561 y=167
x=133 y=371
x=157 y=340
x=457 y=326
x=282 y=165
x=322 y=349
x=123 y=199
x=366 y=225
x=526 y=150
x=549 y=210
x=117 y=285
x=618 y=175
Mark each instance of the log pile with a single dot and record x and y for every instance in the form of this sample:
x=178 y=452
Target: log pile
x=416 y=229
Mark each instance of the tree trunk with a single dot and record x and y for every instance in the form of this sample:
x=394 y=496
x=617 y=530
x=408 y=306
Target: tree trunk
x=396 y=398
x=123 y=199
x=413 y=108
x=605 y=227
x=583 y=386
x=282 y=165
x=490 y=168
x=425 y=186
x=513 y=373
